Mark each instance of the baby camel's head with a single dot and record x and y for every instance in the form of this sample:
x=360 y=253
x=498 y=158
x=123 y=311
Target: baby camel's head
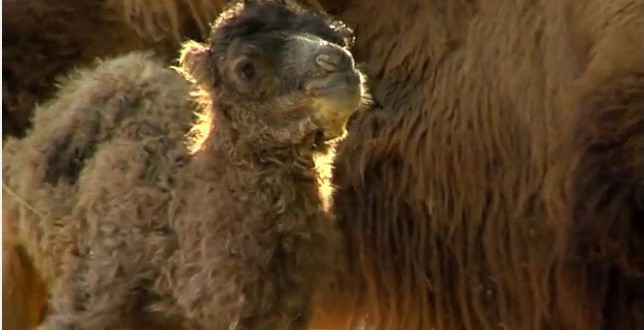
x=278 y=72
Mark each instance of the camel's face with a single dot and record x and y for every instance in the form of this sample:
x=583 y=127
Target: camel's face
x=294 y=77
x=282 y=69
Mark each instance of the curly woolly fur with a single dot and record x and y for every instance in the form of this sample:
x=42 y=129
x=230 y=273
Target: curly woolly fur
x=50 y=172
x=496 y=183
x=130 y=226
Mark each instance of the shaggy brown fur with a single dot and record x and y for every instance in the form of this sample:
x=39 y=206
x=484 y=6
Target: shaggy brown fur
x=489 y=114
x=441 y=190
x=602 y=169
x=128 y=228
x=43 y=39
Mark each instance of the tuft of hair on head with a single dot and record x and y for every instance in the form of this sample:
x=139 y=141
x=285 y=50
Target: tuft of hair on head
x=246 y=17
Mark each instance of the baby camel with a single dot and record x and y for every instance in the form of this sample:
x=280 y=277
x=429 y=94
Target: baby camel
x=129 y=227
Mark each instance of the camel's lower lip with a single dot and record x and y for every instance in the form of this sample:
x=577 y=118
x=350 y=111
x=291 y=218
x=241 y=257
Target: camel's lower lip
x=334 y=98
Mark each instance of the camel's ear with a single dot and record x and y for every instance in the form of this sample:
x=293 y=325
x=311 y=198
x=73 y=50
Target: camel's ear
x=195 y=62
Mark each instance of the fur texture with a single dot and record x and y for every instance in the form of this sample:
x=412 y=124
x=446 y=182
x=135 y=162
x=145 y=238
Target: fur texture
x=599 y=196
x=43 y=40
x=444 y=190
x=468 y=196
x=129 y=228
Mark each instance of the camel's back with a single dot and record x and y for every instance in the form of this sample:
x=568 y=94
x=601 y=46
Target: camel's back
x=108 y=127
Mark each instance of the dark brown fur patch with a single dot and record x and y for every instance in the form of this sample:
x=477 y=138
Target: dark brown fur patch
x=442 y=192
x=602 y=205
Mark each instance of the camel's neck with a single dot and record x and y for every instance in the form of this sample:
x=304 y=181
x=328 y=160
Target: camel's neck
x=261 y=210
x=291 y=175
x=225 y=145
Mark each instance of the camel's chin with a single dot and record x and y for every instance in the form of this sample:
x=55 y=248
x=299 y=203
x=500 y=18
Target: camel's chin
x=338 y=93
x=334 y=109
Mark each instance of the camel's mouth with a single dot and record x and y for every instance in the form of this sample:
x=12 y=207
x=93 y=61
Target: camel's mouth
x=335 y=98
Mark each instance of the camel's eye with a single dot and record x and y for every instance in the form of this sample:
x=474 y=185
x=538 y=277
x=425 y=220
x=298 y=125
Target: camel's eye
x=246 y=71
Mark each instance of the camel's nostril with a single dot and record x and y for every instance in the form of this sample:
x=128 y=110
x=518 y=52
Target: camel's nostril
x=330 y=62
